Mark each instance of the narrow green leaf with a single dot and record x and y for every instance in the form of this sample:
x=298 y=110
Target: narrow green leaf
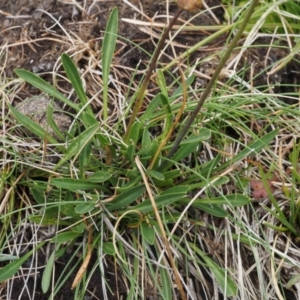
x=126 y=198
x=161 y=81
x=172 y=174
x=282 y=219
x=51 y=122
x=79 y=228
x=133 y=182
x=47 y=274
x=108 y=248
x=65 y=237
x=165 y=284
x=213 y=210
x=168 y=115
x=156 y=175
x=108 y=49
x=38 y=195
x=180 y=189
x=153 y=105
x=203 y=135
x=232 y=200
x=5 y=257
x=79 y=143
x=84 y=208
x=71 y=184
x=146 y=140
x=134 y=133
x=224 y=281
x=44 y=86
x=12 y=268
x=167 y=197
x=185 y=151
x=178 y=92
x=148 y=233
x=73 y=75
x=99 y=176
x=84 y=158
x=253 y=148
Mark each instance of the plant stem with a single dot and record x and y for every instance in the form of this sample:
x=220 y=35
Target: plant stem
x=141 y=93
x=213 y=79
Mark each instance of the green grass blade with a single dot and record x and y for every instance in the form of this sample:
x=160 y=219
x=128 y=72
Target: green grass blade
x=126 y=198
x=226 y=284
x=108 y=48
x=73 y=75
x=79 y=143
x=52 y=124
x=254 y=147
x=47 y=274
x=74 y=184
x=44 y=86
x=12 y=268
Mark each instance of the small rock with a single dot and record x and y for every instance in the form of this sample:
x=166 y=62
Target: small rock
x=36 y=108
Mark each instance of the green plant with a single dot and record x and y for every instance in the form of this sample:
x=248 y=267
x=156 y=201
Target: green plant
x=135 y=200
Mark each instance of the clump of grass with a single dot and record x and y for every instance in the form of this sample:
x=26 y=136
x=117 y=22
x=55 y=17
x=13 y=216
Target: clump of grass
x=164 y=199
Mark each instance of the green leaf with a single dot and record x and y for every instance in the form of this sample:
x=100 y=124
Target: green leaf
x=71 y=184
x=108 y=248
x=99 y=176
x=134 y=133
x=165 y=284
x=161 y=81
x=84 y=158
x=108 y=49
x=213 y=210
x=185 y=151
x=44 y=86
x=84 y=208
x=68 y=209
x=232 y=200
x=168 y=116
x=130 y=152
x=76 y=82
x=5 y=257
x=178 y=92
x=222 y=277
x=79 y=228
x=135 y=179
x=153 y=105
x=167 y=197
x=65 y=237
x=47 y=274
x=203 y=135
x=38 y=195
x=148 y=233
x=51 y=122
x=172 y=174
x=146 y=140
x=253 y=148
x=156 y=175
x=282 y=219
x=126 y=198
x=12 y=268
x=79 y=143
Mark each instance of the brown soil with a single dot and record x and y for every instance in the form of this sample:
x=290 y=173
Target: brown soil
x=35 y=34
